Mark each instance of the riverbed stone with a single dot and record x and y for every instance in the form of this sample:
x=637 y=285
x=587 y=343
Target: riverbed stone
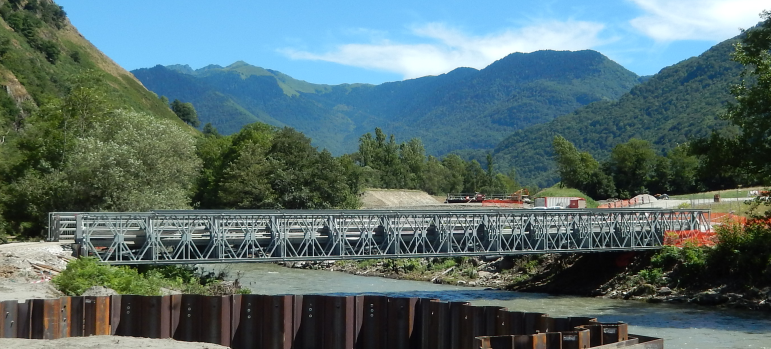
x=709 y=298
x=664 y=291
x=644 y=290
x=677 y=299
x=484 y=274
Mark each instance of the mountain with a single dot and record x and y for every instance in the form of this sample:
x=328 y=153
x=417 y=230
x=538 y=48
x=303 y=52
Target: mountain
x=40 y=55
x=680 y=103
x=463 y=109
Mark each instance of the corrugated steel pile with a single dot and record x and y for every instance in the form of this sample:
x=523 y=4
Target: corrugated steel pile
x=310 y=321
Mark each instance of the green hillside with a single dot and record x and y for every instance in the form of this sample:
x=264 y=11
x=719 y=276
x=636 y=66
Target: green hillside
x=463 y=109
x=40 y=55
x=678 y=104
x=240 y=94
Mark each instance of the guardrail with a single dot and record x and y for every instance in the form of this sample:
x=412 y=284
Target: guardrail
x=311 y=321
x=165 y=237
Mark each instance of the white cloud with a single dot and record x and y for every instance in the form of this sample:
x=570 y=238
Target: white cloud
x=669 y=20
x=445 y=48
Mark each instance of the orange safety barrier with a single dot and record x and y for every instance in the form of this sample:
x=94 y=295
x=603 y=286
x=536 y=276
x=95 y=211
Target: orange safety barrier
x=502 y=203
x=682 y=238
x=727 y=218
x=623 y=203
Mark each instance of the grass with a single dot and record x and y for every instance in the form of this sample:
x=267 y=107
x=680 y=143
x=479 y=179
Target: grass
x=730 y=193
x=736 y=207
x=557 y=191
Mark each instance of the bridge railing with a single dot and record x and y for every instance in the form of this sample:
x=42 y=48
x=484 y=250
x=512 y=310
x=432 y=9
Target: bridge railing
x=300 y=235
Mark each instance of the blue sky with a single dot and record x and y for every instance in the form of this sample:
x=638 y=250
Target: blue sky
x=336 y=42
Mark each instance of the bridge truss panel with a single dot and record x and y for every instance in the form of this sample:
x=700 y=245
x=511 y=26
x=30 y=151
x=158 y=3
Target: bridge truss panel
x=166 y=237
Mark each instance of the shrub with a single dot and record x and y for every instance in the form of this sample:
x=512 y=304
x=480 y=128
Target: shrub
x=405 y=265
x=667 y=258
x=442 y=264
x=470 y=273
x=653 y=276
x=743 y=250
x=84 y=273
x=688 y=263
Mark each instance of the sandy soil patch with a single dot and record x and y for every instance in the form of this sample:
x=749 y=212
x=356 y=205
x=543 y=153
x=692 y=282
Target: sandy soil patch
x=385 y=198
x=103 y=342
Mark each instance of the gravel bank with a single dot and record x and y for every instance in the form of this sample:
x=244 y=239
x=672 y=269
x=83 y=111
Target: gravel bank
x=103 y=342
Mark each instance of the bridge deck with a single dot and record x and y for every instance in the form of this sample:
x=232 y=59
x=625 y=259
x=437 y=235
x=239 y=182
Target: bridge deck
x=199 y=236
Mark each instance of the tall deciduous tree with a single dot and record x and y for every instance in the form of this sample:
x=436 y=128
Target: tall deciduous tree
x=580 y=170
x=127 y=162
x=632 y=166
x=186 y=112
x=575 y=168
x=752 y=110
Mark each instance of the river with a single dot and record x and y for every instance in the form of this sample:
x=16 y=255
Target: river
x=681 y=326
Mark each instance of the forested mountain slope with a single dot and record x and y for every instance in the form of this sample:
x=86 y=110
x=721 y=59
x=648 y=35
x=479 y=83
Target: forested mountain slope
x=40 y=55
x=463 y=109
x=680 y=103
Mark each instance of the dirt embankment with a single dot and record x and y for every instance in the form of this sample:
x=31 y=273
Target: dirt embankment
x=393 y=198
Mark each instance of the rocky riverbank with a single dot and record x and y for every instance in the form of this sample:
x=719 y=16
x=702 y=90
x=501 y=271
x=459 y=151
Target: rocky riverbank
x=608 y=275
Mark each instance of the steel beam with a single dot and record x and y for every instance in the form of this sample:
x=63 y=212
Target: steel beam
x=201 y=236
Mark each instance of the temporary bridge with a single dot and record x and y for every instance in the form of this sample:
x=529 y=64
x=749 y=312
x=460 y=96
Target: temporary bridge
x=203 y=236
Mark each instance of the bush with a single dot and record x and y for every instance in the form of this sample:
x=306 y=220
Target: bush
x=84 y=273
x=743 y=250
x=406 y=265
x=87 y=272
x=470 y=273
x=442 y=264
x=687 y=263
x=653 y=276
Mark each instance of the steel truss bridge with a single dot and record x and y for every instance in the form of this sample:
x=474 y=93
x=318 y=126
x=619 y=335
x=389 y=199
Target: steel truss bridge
x=178 y=237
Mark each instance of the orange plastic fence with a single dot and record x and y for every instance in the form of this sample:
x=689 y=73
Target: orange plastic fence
x=502 y=203
x=682 y=238
x=727 y=218
x=623 y=203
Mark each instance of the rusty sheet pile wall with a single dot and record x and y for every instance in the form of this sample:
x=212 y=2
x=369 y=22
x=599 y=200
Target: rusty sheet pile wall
x=310 y=322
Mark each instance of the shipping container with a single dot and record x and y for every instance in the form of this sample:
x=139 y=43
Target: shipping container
x=560 y=201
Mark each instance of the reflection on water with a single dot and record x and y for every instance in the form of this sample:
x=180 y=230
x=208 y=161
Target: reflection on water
x=681 y=326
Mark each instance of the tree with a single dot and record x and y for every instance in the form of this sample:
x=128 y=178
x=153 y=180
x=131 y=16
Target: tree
x=457 y=172
x=413 y=159
x=210 y=130
x=475 y=177
x=632 y=166
x=683 y=169
x=266 y=168
x=133 y=162
x=575 y=168
x=752 y=110
x=435 y=177
x=126 y=162
x=186 y=112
